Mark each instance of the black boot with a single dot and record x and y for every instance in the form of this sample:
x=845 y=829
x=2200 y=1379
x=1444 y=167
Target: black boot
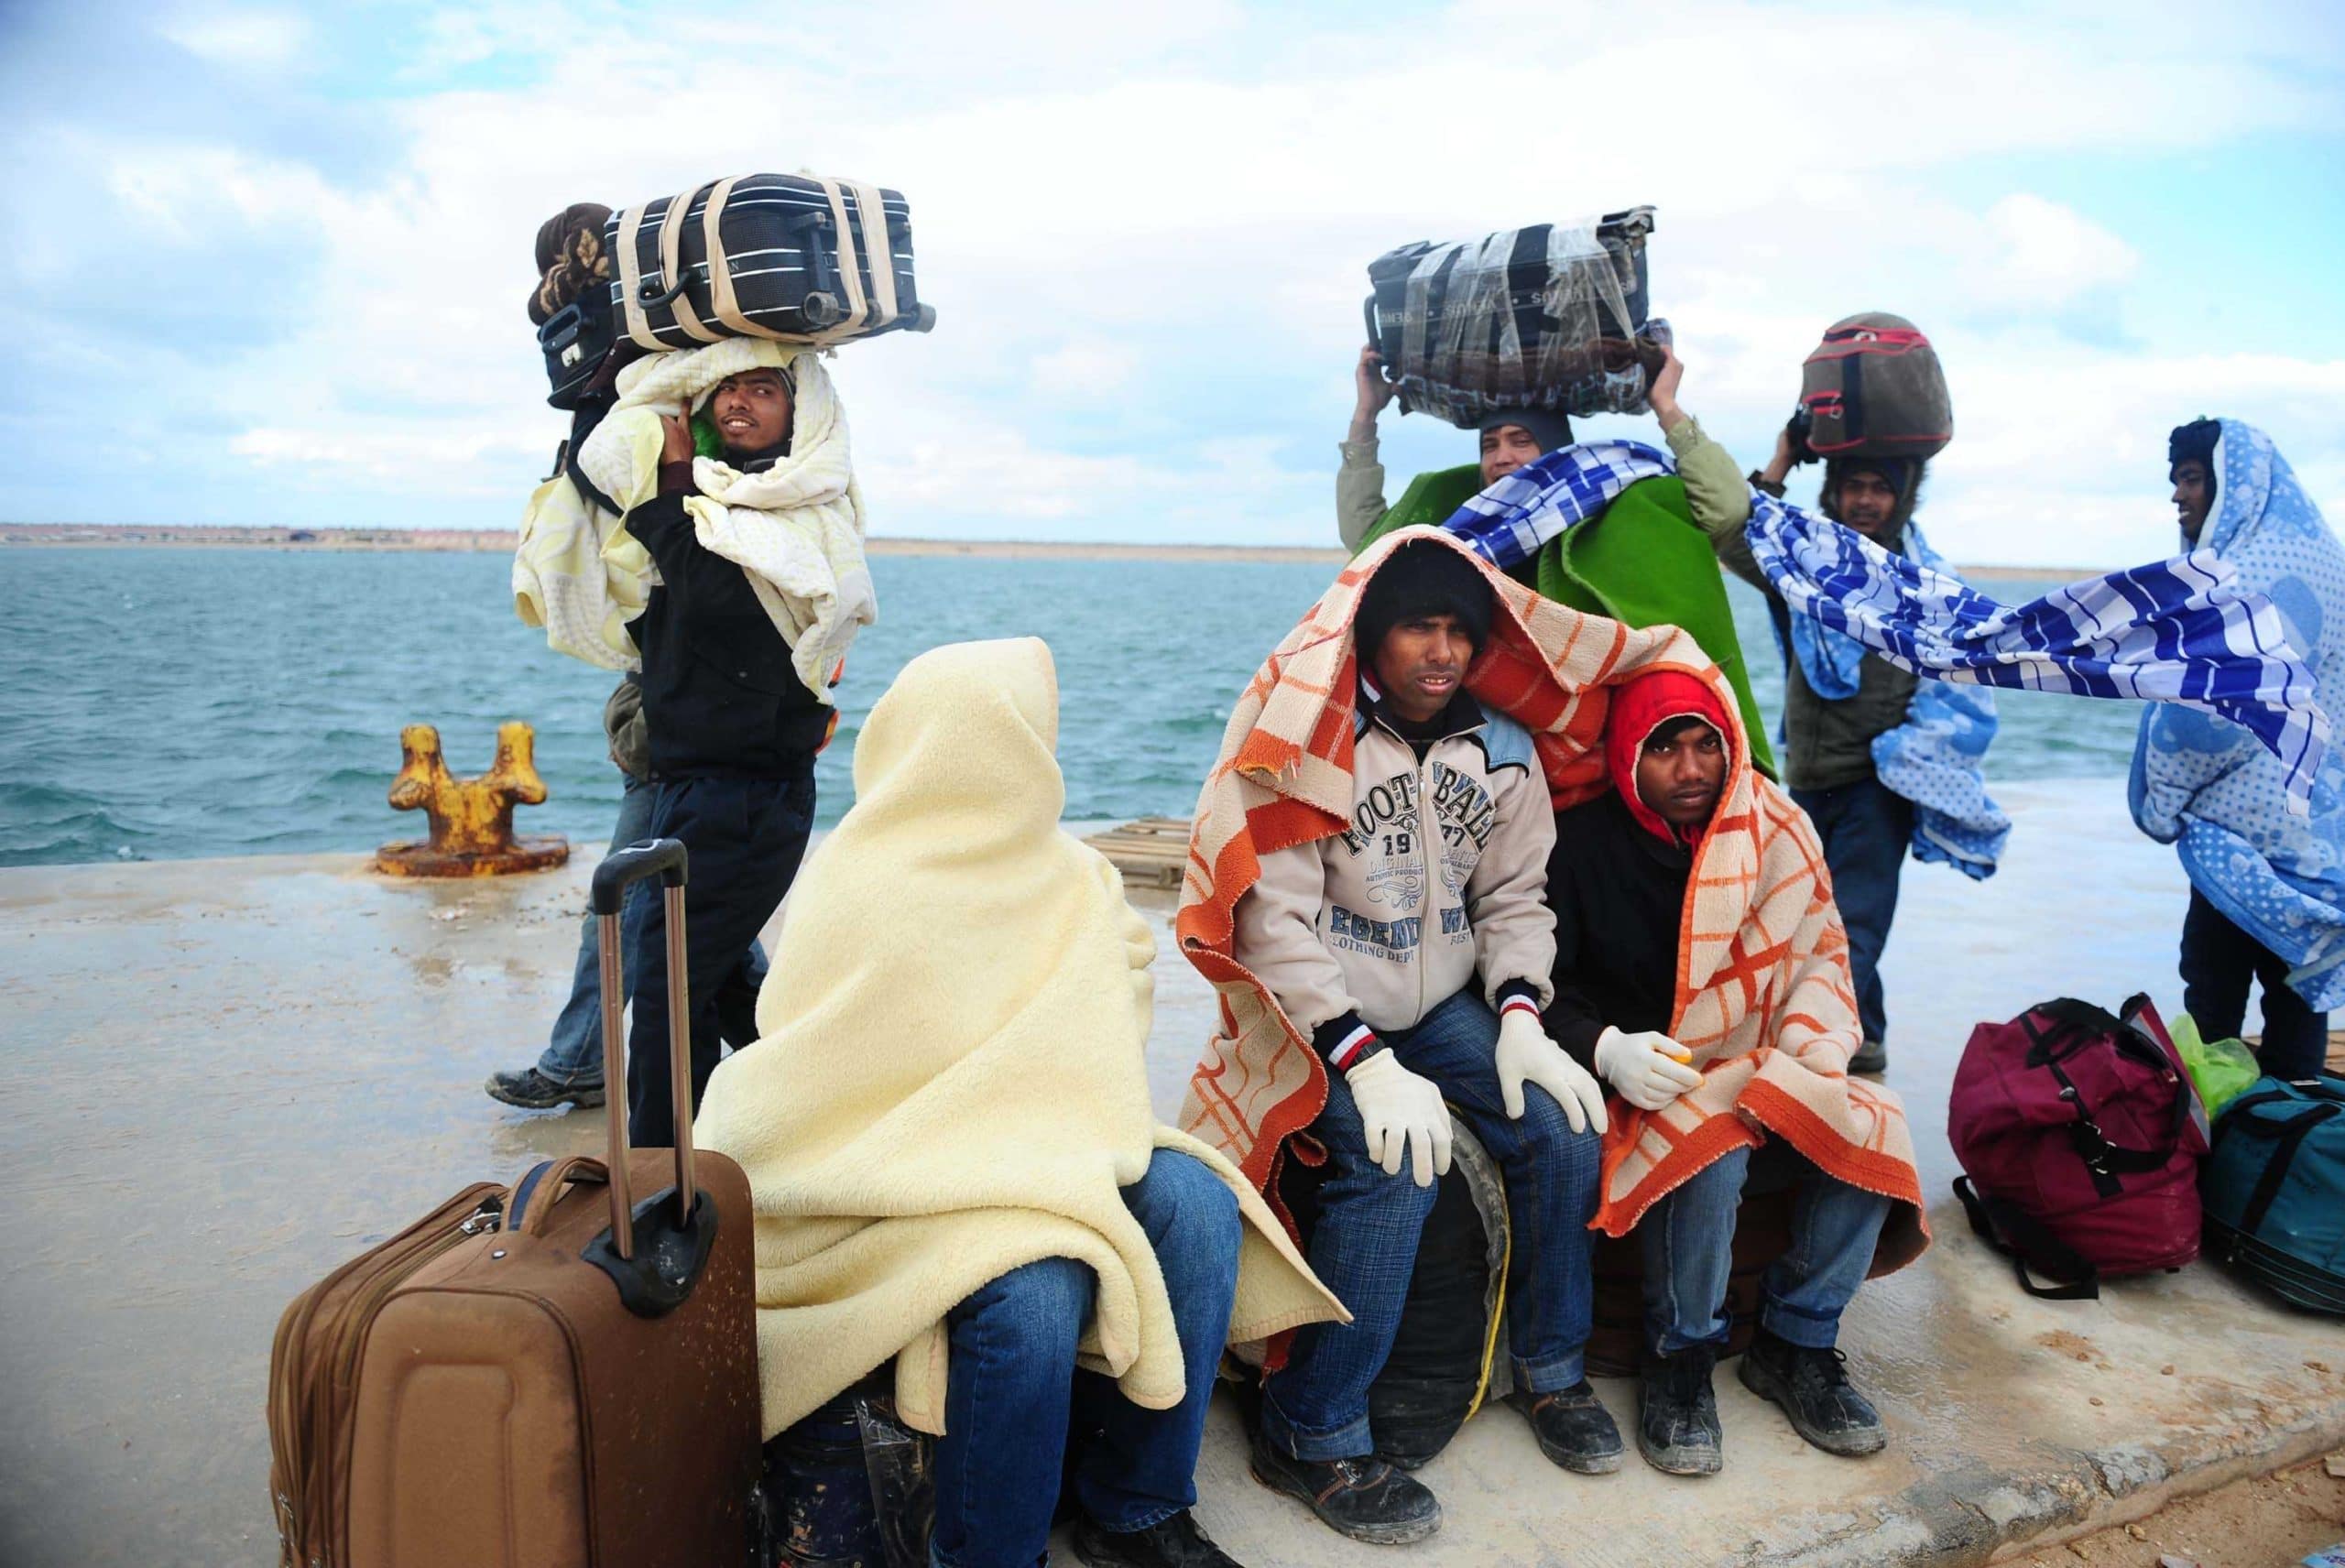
x=1364 y=1498
x=1678 y=1413
x=533 y=1091
x=1175 y=1542
x=1574 y=1428
x=1871 y=1057
x=1813 y=1386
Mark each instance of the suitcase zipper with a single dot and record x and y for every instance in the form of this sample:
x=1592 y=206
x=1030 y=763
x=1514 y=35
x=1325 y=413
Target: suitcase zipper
x=320 y=1423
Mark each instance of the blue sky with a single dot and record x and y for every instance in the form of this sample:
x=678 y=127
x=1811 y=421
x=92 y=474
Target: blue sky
x=268 y=262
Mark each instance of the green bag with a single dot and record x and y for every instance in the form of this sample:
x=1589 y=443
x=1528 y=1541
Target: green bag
x=1644 y=562
x=2220 y=1069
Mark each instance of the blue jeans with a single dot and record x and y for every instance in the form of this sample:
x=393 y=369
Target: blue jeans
x=743 y=838
x=1013 y=1392
x=1365 y=1245
x=1866 y=829
x=1689 y=1242
x=574 y=1054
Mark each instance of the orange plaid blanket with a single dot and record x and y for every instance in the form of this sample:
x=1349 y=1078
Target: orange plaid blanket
x=1764 y=998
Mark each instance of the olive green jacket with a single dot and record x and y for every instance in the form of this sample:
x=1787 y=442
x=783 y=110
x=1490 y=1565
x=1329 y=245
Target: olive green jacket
x=1360 y=491
x=1827 y=743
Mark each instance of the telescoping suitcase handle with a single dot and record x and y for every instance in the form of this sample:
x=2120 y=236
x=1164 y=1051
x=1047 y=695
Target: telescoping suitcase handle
x=657 y=1280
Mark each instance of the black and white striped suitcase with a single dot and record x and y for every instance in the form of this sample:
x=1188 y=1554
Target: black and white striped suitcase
x=794 y=257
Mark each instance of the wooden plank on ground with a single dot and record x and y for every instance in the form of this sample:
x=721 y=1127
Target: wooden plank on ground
x=1153 y=852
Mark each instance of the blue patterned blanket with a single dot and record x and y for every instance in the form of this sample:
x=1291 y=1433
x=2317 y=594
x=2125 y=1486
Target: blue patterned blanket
x=2202 y=783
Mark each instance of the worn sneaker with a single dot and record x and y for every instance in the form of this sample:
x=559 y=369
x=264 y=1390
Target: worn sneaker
x=1573 y=1427
x=533 y=1091
x=1871 y=1057
x=1678 y=1413
x=1175 y=1542
x=1364 y=1498
x=1813 y=1386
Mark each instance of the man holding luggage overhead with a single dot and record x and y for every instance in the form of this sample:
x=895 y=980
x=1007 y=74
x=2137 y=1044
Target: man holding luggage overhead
x=1413 y=952
x=1509 y=440
x=1827 y=760
x=1620 y=881
x=733 y=731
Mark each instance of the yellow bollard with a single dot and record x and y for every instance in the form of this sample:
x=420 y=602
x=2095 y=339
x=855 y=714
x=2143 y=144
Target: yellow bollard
x=472 y=818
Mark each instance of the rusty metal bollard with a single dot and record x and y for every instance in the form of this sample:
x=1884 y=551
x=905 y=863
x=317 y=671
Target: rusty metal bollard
x=472 y=818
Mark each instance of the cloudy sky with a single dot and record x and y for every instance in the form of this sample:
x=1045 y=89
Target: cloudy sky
x=267 y=264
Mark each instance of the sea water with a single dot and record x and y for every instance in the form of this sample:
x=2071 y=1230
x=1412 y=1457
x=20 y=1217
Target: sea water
x=177 y=702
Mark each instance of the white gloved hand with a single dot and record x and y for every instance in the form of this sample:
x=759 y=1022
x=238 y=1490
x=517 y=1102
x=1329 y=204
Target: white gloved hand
x=1526 y=1054
x=1649 y=1069
x=1400 y=1110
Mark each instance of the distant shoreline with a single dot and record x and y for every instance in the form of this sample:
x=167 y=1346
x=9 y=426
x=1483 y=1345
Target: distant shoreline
x=501 y=541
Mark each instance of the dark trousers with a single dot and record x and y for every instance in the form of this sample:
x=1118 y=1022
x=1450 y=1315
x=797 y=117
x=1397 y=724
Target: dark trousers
x=2218 y=961
x=1866 y=828
x=743 y=838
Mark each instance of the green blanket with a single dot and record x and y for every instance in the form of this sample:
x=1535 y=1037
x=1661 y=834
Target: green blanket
x=1644 y=562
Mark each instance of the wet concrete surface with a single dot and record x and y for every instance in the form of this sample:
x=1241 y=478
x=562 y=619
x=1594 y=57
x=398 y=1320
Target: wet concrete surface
x=225 y=1077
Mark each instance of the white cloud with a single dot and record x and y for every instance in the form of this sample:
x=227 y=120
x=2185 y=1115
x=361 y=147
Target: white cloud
x=258 y=39
x=2052 y=253
x=1086 y=368
x=1159 y=227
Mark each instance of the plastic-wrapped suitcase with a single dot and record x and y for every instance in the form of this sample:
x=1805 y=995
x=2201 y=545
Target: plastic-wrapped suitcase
x=1546 y=317
x=552 y=1377
x=795 y=257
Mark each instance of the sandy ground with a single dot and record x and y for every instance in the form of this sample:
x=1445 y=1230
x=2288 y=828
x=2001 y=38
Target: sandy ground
x=2260 y=1523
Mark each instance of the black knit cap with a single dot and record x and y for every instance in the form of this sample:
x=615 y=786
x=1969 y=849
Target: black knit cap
x=1423 y=578
x=2195 y=443
x=1898 y=472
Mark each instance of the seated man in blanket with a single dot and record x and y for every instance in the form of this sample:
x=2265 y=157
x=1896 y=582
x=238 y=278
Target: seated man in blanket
x=1620 y=880
x=1508 y=439
x=951 y=1153
x=1413 y=951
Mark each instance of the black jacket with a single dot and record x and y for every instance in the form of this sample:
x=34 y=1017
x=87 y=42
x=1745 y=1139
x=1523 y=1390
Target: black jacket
x=1618 y=893
x=719 y=693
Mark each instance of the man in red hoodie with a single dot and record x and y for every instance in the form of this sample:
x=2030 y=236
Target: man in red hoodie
x=1618 y=882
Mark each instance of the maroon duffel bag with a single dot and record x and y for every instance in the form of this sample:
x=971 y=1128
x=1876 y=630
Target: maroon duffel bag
x=2080 y=1136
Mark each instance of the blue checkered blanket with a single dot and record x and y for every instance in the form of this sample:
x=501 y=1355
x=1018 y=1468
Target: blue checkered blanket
x=2184 y=631
x=2200 y=782
x=1512 y=520
x=1935 y=759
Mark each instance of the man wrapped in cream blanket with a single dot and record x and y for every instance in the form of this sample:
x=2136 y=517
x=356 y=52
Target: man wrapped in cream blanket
x=794 y=527
x=949 y=1142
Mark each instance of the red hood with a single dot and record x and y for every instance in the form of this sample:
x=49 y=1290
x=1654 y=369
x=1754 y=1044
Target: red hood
x=1640 y=707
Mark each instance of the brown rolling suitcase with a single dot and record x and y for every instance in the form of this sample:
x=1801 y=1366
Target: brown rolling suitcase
x=555 y=1375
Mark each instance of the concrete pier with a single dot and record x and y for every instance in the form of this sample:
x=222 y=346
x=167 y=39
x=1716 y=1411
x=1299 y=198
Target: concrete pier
x=223 y=1078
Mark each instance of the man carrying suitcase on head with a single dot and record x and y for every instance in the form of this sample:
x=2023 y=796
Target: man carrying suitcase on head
x=1508 y=439
x=733 y=733
x=1827 y=758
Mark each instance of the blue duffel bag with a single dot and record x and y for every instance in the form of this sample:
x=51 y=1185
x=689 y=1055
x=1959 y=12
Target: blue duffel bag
x=2274 y=1189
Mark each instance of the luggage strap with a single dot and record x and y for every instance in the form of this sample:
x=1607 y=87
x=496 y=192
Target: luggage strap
x=672 y=263
x=2286 y=1136
x=2028 y=1242
x=2075 y=1024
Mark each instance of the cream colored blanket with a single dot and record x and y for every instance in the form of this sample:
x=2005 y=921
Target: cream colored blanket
x=796 y=528
x=950 y=1083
